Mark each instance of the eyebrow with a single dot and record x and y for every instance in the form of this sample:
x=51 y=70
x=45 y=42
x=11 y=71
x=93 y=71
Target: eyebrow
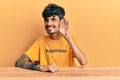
x=52 y=17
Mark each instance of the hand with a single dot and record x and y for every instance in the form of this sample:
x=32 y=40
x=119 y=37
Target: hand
x=64 y=27
x=45 y=68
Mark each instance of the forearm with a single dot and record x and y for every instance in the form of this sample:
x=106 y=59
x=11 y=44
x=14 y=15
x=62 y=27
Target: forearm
x=26 y=65
x=77 y=52
x=38 y=67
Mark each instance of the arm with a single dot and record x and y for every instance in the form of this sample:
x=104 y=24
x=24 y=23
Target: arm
x=77 y=52
x=64 y=30
x=25 y=62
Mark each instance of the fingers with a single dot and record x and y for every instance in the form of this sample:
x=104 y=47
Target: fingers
x=42 y=68
x=45 y=68
x=64 y=28
x=53 y=68
x=64 y=22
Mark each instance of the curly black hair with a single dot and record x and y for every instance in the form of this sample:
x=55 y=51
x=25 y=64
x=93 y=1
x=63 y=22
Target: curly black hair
x=53 y=9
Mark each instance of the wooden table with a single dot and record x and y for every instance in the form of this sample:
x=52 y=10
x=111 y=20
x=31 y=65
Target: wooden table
x=71 y=73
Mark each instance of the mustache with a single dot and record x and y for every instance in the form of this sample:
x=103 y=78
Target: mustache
x=47 y=26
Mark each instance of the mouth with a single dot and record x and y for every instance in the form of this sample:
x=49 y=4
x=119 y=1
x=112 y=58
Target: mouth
x=50 y=29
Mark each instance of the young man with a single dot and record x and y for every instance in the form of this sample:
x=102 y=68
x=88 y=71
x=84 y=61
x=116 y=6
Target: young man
x=55 y=50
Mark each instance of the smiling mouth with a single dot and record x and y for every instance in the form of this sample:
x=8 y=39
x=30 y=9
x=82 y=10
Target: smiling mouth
x=49 y=27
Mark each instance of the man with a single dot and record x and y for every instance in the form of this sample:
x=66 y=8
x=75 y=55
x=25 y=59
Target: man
x=55 y=50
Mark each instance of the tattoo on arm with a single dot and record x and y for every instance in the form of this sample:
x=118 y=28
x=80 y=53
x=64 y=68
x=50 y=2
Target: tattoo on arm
x=24 y=62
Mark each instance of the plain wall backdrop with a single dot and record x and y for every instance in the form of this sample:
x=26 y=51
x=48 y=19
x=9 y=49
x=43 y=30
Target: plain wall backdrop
x=94 y=23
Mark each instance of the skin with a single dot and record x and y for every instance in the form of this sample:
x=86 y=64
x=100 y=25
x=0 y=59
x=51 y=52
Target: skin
x=56 y=28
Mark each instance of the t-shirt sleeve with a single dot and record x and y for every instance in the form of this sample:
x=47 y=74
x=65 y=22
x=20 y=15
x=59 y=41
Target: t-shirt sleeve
x=33 y=51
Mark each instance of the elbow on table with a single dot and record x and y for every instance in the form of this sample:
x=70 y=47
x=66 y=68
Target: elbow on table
x=16 y=64
x=84 y=63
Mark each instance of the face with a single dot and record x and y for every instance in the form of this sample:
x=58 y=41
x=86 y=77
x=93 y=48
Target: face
x=52 y=24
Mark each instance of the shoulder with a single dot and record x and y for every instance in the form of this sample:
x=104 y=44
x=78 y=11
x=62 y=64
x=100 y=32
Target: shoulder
x=41 y=38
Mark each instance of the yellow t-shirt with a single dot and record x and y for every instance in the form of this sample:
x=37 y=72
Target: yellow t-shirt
x=49 y=51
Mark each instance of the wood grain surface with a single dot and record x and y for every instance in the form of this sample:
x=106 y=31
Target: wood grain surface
x=70 y=73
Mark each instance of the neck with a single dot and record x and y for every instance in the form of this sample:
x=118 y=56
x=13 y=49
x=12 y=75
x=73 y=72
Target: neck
x=55 y=36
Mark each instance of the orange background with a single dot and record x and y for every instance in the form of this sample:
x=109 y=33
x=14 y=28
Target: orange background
x=94 y=23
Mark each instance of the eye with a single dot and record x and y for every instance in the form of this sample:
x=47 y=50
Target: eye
x=53 y=19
